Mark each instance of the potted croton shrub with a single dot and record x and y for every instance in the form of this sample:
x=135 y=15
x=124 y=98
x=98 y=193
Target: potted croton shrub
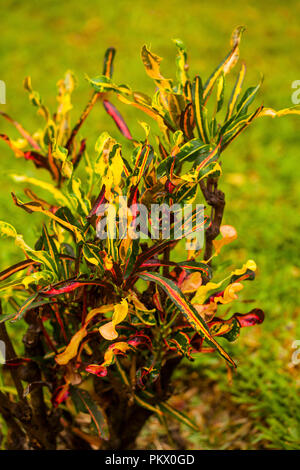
x=119 y=287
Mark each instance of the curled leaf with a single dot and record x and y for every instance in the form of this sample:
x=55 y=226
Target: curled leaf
x=72 y=348
x=249 y=265
x=229 y=293
x=228 y=233
x=97 y=311
x=152 y=62
x=255 y=317
x=203 y=291
x=108 y=331
x=109 y=358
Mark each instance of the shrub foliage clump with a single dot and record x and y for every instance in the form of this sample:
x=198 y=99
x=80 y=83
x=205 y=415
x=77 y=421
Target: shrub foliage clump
x=108 y=319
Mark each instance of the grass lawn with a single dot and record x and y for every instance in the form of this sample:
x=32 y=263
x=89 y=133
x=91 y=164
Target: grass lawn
x=260 y=169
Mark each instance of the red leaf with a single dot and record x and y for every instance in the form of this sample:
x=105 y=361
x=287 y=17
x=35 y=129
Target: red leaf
x=255 y=317
x=96 y=369
x=114 y=113
x=60 y=395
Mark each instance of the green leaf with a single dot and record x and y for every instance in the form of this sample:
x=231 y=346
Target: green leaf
x=27 y=305
x=59 y=197
x=33 y=206
x=181 y=62
x=167 y=408
x=181 y=342
x=91 y=254
x=179 y=415
x=229 y=329
x=84 y=403
x=142 y=156
x=7 y=230
x=103 y=84
x=227 y=64
x=220 y=92
x=193 y=151
x=236 y=92
x=231 y=130
x=35 y=99
x=246 y=100
x=200 y=110
x=176 y=106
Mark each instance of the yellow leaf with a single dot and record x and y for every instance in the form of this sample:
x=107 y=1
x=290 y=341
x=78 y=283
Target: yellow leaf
x=125 y=246
x=120 y=312
x=229 y=293
x=202 y=292
x=7 y=230
x=72 y=348
x=50 y=188
x=146 y=128
x=108 y=262
x=117 y=167
x=282 y=112
x=216 y=167
x=138 y=304
x=108 y=331
x=76 y=185
x=152 y=62
x=65 y=104
x=110 y=353
x=96 y=311
x=249 y=265
x=20 y=143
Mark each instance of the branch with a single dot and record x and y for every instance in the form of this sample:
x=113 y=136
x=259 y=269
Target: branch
x=16 y=439
x=11 y=354
x=216 y=199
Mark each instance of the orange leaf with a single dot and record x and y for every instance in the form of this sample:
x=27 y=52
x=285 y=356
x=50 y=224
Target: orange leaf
x=228 y=235
x=191 y=283
x=108 y=331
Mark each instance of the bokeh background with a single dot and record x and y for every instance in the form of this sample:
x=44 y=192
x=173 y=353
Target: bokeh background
x=261 y=407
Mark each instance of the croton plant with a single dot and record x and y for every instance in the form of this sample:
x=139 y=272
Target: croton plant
x=108 y=319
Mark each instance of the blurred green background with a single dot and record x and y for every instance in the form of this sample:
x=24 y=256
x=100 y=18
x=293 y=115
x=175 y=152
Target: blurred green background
x=261 y=168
